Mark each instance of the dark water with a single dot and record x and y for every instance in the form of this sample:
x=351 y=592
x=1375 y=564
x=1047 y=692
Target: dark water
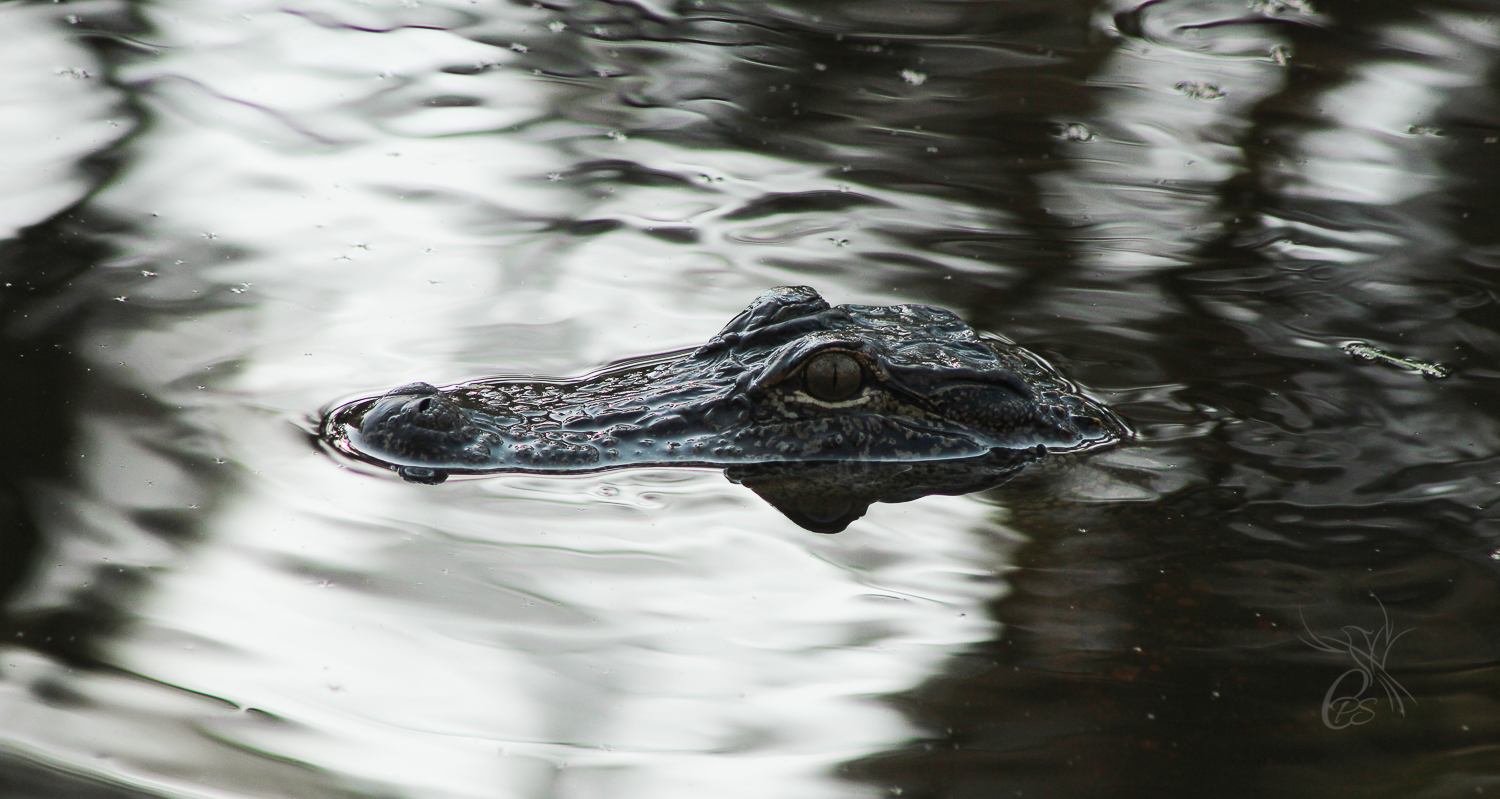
x=219 y=219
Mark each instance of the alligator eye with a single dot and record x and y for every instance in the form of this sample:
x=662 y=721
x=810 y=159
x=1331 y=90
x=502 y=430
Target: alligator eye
x=832 y=377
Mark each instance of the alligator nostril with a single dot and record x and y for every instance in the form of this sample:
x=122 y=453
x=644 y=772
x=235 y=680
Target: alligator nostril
x=423 y=404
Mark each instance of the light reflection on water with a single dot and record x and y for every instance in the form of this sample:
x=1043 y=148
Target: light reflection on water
x=632 y=634
x=338 y=198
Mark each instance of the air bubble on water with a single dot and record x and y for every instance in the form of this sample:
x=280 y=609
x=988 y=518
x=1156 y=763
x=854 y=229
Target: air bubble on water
x=1076 y=131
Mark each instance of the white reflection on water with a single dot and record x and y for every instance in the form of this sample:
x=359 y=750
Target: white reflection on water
x=1174 y=107
x=39 y=171
x=308 y=228
x=1380 y=144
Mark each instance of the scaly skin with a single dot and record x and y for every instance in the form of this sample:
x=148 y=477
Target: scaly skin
x=790 y=386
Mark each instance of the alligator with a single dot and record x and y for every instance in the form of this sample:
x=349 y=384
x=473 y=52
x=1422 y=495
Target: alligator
x=820 y=409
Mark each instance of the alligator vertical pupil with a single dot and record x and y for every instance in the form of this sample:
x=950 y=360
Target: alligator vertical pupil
x=832 y=377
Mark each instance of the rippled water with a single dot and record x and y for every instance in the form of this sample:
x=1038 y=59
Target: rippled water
x=222 y=218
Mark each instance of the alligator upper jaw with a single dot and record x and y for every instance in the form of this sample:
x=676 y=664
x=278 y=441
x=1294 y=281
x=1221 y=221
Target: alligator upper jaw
x=426 y=437
x=663 y=412
x=823 y=496
x=720 y=406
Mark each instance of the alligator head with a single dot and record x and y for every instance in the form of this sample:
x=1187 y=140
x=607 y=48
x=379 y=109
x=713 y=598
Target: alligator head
x=791 y=390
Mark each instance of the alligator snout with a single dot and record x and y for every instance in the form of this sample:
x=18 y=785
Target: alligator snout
x=790 y=381
x=421 y=430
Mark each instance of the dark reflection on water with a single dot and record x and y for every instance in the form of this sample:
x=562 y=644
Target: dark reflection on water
x=828 y=497
x=1193 y=207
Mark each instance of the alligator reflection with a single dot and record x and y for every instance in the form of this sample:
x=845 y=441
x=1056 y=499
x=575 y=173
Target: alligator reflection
x=820 y=410
x=827 y=497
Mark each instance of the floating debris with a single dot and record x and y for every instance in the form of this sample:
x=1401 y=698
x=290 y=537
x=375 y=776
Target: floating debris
x=1200 y=91
x=1360 y=349
x=1076 y=131
x=1274 y=7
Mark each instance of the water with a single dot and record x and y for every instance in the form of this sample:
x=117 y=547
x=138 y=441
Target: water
x=224 y=218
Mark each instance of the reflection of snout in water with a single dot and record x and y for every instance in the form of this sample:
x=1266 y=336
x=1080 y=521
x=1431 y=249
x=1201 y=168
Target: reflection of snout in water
x=827 y=497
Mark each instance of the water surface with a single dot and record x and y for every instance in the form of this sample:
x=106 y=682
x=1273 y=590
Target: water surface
x=221 y=219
